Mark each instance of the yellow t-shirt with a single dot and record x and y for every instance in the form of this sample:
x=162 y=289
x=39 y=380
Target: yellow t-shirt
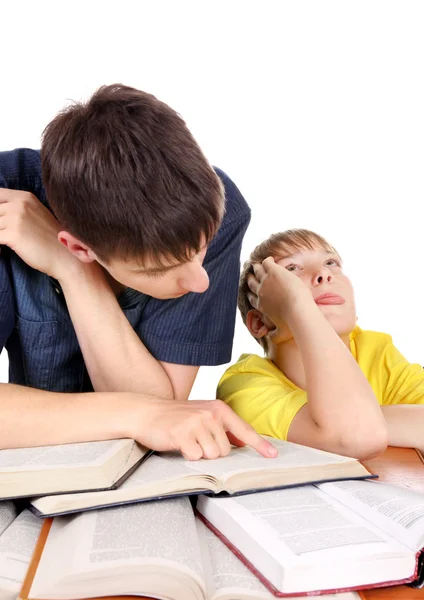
x=264 y=397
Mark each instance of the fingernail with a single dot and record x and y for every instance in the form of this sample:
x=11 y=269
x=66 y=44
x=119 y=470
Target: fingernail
x=272 y=451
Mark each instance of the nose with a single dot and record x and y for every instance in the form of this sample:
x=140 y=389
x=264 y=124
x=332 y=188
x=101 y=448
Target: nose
x=322 y=276
x=195 y=279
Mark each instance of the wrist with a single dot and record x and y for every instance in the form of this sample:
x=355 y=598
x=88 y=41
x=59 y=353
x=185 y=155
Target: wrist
x=300 y=308
x=77 y=273
x=136 y=414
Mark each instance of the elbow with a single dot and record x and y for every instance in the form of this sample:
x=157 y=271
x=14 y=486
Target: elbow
x=366 y=443
x=166 y=393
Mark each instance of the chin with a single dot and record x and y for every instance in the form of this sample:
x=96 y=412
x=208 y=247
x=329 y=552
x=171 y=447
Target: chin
x=340 y=326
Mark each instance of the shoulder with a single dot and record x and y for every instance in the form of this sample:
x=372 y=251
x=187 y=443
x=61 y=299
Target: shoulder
x=369 y=344
x=236 y=207
x=367 y=337
x=253 y=365
x=20 y=169
x=19 y=164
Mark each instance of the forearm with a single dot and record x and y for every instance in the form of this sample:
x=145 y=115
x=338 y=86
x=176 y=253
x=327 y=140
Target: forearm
x=405 y=424
x=341 y=402
x=31 y=417
x=115 y=357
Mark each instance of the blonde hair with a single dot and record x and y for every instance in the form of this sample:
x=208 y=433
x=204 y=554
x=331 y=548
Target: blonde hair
x=277 y=245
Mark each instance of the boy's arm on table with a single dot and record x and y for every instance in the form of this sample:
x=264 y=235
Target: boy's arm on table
x=197 y=429
x=342 y=414
x=405 y=424
x=403 y=399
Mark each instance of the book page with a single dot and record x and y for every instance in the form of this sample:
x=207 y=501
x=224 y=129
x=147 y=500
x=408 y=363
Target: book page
x=398 y=511
x=8 y=513
x=306 y=521
x=102 y=543
x=224 y=572
x=293 y=529
x=148 y=479
x=157 y=468
x=16 y=548
x=228 y=578
x=246 y=459
x=52 y=457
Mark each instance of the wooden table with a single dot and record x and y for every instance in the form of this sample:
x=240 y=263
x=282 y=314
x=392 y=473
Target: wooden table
x=403 y=467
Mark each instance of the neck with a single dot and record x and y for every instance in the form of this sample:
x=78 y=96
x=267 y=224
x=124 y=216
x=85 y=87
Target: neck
x=287 y=357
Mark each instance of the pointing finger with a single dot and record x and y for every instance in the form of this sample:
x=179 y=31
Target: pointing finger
x=245 y=434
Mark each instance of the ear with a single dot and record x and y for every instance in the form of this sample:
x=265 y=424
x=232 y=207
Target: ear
x=76 y=247
x=255 y=324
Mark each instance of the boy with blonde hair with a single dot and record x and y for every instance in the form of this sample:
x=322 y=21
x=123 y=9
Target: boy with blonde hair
x=323 y=382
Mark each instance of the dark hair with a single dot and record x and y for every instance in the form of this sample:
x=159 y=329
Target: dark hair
x=277 y=245
x=123 y=173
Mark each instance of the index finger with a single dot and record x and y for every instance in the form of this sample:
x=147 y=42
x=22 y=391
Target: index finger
x=245 y=433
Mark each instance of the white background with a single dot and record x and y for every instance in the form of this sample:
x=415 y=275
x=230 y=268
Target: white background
x=315 y=109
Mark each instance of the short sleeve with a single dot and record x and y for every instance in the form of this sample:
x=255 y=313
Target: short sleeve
x=198 y=329
x=262 y=399
x=404 y=381
x=20 y=169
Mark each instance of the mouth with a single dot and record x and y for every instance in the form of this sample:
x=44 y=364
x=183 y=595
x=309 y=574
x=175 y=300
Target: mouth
x=329 y=299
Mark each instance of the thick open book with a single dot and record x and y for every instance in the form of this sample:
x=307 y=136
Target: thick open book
x=168 y=474
x=69 y=467
x=155 y=549
x=18 y=536
x=342 y=535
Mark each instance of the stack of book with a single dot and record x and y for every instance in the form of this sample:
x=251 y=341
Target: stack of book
x=125 y=522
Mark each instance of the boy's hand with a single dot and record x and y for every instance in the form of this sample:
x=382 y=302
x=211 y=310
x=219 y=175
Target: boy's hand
x=276 y=292
x=30 y=230
x=197 y=429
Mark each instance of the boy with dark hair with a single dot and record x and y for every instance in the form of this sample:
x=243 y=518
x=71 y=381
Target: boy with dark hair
x=118 y=274
x=324 y=382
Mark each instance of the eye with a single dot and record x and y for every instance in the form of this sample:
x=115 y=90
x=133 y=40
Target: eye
x=332 y=262
x=292 y=267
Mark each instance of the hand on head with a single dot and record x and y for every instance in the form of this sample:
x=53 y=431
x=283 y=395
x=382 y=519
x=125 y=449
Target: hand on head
x=275 y=292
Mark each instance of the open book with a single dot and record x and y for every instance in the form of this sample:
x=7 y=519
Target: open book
x=69 y=467
x=243 y=470
x=155 y=549
x=18 y=536
x=343 y=535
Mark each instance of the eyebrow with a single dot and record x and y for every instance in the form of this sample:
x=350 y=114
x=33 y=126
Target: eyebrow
x=286 y=256
x=164 y=269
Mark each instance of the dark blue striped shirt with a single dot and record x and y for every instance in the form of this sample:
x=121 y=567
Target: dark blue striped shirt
x=36 y=329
